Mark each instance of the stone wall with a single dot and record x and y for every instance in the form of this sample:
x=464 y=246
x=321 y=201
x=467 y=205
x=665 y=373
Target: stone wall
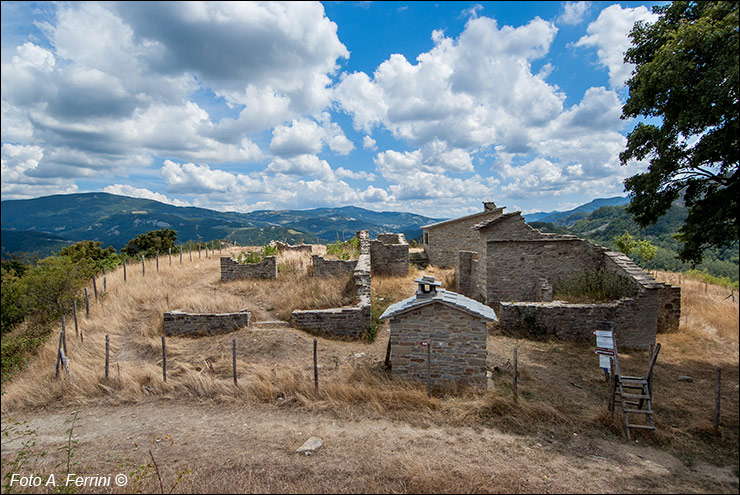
x=520 y=263
x=348 y=321
x=285 y=247
x=443 y=240
x=462 y=355
x=231 y=269
x=465 y=273
x=331 y=268
x=669 y=316
x=635 y=320
x=181 y=324
x=389 y=255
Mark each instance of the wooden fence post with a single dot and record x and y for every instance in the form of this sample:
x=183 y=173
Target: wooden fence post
x=143 y=267
x=105 y=286
x=164 y=359
x=190 y=251
x=95 y=288
x=107 y=356
x=181 y=254
x=717 y=398
x=429 y=366
x=157 y=261
x=169 y=253
x=315 y=366
x=59 y=355
x=612 y=385
x=124 y=271
x=87 y=305
x=64 y=335
x=199 y=250
x=74 y=313
x=514 y=383
x=233 y=357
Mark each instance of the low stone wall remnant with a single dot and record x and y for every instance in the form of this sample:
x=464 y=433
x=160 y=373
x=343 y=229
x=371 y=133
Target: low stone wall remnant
x=348 y=321
x=182 y=324
x=322 y=267
x=285 y=247
x=232 y=269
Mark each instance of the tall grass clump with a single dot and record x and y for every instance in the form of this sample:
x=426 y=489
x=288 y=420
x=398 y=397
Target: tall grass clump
x=594 y=286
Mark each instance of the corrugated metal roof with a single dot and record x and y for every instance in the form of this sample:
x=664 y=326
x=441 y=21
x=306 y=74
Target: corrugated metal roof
x=445 y=297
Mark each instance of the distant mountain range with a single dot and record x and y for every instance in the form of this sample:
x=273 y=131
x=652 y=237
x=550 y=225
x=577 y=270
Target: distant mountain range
x=570 y=217
x=42 y=226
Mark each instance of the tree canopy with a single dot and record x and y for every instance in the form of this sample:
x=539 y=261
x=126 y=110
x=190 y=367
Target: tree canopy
x=686 y=75
x=151 y=243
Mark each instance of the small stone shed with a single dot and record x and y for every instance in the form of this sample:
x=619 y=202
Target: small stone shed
x=452 y=325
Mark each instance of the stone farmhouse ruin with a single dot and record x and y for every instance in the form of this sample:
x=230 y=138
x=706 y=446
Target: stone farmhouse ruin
x=513 y=268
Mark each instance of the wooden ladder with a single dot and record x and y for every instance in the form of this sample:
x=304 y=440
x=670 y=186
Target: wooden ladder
x=635 y=394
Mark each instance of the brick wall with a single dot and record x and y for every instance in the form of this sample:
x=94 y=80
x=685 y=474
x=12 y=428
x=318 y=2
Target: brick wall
x=462 y=355
x=389 y=255
x=231 y=269
x=181 y=324
x=348 y=321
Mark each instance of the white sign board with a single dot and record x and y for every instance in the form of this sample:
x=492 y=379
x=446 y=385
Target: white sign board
x=604 y=339
x=604 y=342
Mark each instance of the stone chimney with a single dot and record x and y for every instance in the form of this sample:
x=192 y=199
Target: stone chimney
x=427 y=287
x=489 y=206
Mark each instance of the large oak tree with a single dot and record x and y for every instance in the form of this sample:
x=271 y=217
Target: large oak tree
x=686 y=83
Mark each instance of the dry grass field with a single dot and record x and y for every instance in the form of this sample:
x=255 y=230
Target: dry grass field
x=198 y=432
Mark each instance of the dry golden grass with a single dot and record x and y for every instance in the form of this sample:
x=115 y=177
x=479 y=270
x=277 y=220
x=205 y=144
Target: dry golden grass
x=562 y=390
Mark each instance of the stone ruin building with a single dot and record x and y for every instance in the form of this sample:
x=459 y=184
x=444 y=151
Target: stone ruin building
x=447 y=328
x=513 y=268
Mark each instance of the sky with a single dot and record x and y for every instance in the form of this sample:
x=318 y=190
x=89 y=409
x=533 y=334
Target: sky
x=425 y=107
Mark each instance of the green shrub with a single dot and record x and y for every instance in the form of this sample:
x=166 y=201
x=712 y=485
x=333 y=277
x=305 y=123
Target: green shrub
x=594 y=286
x=12 y=310
x=344 y=250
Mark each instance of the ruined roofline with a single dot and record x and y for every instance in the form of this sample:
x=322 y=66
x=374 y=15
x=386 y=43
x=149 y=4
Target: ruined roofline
x=549 y=236
x=496 y=211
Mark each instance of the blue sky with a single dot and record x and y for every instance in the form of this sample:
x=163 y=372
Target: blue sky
x=426 y=107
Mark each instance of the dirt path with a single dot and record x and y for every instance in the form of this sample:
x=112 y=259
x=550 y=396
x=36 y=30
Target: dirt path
x=252 y=449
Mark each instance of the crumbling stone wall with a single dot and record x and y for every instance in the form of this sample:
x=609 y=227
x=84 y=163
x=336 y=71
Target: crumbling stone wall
x=232 y=269
x=635 y=319
x=285 y=247
x=519 y=263
x=465 y=274
x=181 y=324
x=443 y=240
x=669 y=316
x=462 y=355
x=348 y=321
x=389 y=255
x=331 y=268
